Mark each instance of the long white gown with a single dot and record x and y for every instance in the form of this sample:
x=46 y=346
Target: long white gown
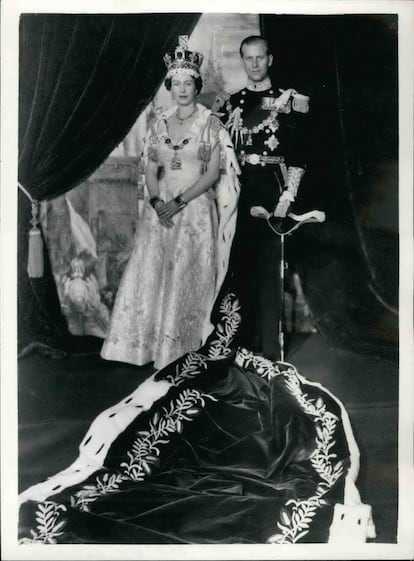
x=167 y=291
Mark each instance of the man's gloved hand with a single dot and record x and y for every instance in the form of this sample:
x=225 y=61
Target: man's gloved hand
x=281 y=209
x=283 y=204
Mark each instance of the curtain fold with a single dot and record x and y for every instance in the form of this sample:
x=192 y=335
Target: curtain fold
x=349 y=265
x=83 y=81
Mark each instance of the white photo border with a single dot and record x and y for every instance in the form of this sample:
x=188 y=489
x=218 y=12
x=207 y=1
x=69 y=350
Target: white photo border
x=10 y=11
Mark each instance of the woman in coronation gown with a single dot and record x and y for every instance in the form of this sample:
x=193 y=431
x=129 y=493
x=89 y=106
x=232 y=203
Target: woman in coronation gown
x=220 y=445
x=179 y=258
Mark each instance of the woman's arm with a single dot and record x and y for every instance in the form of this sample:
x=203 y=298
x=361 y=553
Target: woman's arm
x=204 y=182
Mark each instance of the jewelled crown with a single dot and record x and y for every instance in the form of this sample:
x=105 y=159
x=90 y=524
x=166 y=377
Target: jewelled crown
x=182 y=60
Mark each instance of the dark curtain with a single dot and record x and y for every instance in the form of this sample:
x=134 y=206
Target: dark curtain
x=84 y=79
x=349 y=265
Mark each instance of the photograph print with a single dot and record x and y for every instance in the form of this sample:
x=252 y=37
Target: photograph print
x=208 y=278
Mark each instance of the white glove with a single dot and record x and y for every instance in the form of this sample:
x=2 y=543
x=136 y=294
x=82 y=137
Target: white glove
x=286 y=196
x=294 y=177
x=281 y=208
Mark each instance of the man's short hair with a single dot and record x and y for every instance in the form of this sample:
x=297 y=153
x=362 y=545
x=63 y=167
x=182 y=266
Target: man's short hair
x=252 y=40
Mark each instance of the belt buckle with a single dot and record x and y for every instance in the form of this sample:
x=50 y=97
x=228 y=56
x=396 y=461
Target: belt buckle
x=254 y=159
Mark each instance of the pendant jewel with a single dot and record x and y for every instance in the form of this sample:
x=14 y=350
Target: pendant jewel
x=176 y=162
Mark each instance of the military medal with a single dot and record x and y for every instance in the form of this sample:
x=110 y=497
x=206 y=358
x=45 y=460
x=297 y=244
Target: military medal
x=270 y=122
x=272 y=142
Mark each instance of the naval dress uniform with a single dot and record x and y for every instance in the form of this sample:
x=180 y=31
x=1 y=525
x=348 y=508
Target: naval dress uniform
x=268 y=129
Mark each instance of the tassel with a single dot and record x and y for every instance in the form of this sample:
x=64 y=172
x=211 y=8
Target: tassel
x=153 y=153
x=140 y=190
x=141 y=177
x=35 y=265
x=204 y=154
x=141 y=165
x=223 y=161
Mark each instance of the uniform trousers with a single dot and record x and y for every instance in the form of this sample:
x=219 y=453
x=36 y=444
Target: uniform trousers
x=255 y=263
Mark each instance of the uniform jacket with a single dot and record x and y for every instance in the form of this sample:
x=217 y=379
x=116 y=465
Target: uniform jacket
x=281 y=131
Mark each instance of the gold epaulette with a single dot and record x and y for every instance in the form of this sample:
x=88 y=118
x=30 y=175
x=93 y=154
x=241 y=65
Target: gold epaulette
x=300 y=102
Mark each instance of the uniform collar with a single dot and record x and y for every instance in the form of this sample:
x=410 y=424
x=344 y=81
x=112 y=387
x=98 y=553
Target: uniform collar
x=262 y=86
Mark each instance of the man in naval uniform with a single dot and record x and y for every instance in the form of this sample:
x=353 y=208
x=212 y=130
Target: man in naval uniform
x=267 y=126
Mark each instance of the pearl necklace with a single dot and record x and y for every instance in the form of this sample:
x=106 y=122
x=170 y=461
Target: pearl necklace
x=182 y=119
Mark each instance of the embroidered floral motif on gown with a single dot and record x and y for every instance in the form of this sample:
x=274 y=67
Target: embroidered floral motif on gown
x=218 y=447
x=165 y=296
x=222 y=446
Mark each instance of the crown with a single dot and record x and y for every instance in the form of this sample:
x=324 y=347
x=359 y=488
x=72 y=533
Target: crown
x=183 y=60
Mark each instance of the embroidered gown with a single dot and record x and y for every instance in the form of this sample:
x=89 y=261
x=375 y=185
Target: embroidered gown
x=165 y=296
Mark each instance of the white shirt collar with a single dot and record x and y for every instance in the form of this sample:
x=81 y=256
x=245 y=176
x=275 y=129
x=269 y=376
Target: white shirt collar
x=265 y=84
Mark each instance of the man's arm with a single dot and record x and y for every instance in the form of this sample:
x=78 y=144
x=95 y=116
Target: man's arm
x=296 y=157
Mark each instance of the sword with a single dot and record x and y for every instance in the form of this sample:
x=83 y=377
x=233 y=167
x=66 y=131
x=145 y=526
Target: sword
x=294 y=221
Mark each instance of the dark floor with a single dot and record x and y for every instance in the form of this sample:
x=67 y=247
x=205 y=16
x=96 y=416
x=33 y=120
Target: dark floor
x=58 y=399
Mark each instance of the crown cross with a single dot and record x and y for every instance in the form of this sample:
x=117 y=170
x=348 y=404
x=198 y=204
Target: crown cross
x=183 y=42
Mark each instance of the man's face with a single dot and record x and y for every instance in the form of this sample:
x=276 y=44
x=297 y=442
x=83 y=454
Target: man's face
x=256 y=61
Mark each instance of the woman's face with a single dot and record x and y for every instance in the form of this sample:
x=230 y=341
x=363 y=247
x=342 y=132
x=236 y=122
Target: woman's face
x=183 y=89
